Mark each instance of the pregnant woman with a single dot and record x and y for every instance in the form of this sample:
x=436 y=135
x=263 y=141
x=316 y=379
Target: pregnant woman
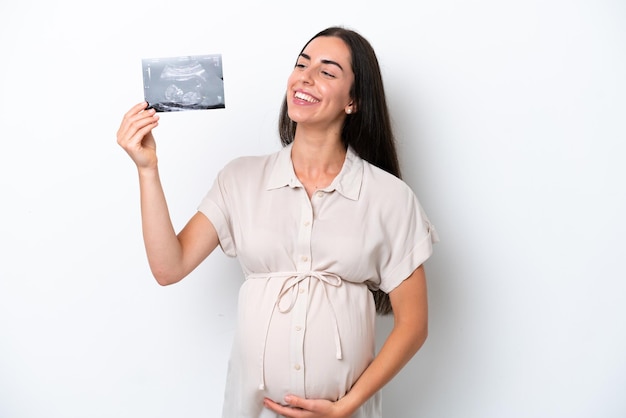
x=327 y=235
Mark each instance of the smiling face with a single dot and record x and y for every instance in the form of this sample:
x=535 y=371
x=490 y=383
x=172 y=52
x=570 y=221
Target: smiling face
x=318 y=90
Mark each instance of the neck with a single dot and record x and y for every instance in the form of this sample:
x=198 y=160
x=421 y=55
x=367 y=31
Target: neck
x=317 y=161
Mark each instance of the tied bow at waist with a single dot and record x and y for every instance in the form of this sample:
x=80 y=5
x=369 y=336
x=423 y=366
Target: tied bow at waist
x=286 y=300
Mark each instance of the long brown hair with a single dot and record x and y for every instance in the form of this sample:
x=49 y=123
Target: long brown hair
x=368 y=131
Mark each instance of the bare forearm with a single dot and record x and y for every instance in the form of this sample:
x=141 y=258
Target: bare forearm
x=401 y=345
x=410 y=309
x=162 y=246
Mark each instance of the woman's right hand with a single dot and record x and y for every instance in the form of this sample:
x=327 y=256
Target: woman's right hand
x=135 y=135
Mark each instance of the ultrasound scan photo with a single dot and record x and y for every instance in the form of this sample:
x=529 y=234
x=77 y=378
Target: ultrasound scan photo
x=184 y=83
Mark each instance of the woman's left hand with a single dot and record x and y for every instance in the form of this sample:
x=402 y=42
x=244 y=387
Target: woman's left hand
x=305 y=408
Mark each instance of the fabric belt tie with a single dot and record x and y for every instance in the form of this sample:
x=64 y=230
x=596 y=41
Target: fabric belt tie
x=288 y=294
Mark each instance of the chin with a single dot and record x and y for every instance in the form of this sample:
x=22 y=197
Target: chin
x=296 y=116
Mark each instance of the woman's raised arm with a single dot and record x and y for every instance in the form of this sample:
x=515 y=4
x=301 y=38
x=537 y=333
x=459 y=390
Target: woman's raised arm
x=171 y=256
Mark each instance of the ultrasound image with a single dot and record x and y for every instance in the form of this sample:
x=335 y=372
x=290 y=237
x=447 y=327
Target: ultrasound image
x=184 y=83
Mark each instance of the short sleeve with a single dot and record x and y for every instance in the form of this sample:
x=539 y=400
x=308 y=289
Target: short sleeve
x=215 y=206
x=410 y=238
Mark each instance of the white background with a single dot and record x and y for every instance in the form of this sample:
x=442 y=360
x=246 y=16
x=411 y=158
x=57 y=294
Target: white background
x=511 y=121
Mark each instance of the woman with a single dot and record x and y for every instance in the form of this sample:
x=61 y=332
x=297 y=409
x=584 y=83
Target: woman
x=319 y=227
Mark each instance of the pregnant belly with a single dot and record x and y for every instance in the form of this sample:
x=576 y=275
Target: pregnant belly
x=314 y=343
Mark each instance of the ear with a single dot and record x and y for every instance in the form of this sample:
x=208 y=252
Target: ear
x=351 y=108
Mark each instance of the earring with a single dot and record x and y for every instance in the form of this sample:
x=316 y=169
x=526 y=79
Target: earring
x=349 y=110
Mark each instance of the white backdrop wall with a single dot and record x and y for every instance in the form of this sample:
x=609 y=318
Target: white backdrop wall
x=510 y=117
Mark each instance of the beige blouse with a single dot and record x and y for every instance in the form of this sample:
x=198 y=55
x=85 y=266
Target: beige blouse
x=306 y=316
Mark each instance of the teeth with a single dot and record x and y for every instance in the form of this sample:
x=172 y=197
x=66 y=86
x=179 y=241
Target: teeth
x=305 y=97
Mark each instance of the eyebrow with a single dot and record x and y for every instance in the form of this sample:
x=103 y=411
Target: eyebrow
x=303 y=55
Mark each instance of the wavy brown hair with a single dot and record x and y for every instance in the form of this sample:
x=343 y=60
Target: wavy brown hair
x=368 y=131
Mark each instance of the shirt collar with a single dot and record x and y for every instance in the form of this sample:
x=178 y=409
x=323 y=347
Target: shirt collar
x=347 y=183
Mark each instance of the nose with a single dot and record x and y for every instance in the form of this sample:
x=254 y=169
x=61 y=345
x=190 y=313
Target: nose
x=305 y=75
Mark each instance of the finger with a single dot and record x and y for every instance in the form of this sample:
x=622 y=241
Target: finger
x=136 y=109
x=283 y=411
x=135 y=112
x=140 y=129
x=297 y=402
x=135 y=127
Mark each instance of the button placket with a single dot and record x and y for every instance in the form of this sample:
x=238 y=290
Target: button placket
x=298 y=321
x=303 y=255
x=299 y=311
